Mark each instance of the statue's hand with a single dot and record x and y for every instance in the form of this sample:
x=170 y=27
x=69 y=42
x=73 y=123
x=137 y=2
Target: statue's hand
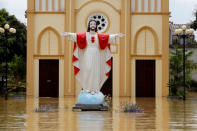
x=65 y=34
x=120 y=35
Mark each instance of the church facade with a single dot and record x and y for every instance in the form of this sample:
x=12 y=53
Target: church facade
x=140 y=60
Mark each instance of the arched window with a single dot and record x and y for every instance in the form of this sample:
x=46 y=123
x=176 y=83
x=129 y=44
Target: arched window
x=146 y=42
x=49 y=42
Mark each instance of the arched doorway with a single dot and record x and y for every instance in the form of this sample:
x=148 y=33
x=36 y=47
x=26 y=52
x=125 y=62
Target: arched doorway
x=49 y=49
x=146 y=49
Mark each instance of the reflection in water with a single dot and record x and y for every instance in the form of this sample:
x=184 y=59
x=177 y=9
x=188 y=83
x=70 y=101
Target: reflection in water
x=159 y=114
x=98 y=121
x=12 y=114
x=183 y=114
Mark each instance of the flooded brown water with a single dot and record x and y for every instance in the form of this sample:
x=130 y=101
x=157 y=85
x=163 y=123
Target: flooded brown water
x=159 y=114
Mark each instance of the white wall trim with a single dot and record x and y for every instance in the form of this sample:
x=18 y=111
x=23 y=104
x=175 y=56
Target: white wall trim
x=61 y=78
x=115 y=76
x=133 y=73
x=36 y=78
x=158 y=78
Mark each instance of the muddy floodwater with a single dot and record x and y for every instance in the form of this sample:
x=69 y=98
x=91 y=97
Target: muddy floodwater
x=18 y=114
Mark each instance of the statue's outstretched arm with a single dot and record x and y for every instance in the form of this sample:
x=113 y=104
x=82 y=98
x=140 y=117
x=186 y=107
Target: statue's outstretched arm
x=70 y=36
x=112 y=37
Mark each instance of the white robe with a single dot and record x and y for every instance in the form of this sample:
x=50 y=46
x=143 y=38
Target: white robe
x=92 y=63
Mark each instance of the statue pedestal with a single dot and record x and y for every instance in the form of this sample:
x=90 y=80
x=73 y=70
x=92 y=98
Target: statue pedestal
x=91 y=102
x=90 y=107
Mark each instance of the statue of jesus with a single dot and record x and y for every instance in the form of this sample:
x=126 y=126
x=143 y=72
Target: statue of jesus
x=91 y=58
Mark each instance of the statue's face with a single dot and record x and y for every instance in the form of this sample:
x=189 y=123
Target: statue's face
x=92 y=25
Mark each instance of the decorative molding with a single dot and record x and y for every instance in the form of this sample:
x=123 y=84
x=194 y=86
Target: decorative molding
x=156 y=41
x=142 y=5
x=102 y=1
x=53 y=5
x=149 y=5
x=136 y=5
x=47 y=5
x=155 y=6
x=145 y=41
x=34 y=5
x=49 y=46
x=145 y=56
x=40 y=5
x=59 y=6
x=150 y=13
x=37 y=56
x=44 y=12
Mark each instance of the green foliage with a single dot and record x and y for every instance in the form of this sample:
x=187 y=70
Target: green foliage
x=3 y=17
x=16 y=42
x=18 y=67
x=178 y=94
x=176 y=71
x=16 y=50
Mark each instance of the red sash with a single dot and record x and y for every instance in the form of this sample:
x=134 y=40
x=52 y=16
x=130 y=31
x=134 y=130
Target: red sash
x=103 y=41
x=81 y=40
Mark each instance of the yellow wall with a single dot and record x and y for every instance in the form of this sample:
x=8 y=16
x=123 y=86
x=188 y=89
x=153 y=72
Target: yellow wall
x=30 y=49
x=55 y=21
x=83 y=14
x=152 y=21
x=81 y=3
x=144 y=51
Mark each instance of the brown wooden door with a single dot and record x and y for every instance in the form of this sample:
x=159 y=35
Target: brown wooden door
x=107 y=86
x=48 y=78
x=145 y=78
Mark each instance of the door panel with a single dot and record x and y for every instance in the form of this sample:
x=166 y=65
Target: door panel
x=145 y=78
x=48 y=78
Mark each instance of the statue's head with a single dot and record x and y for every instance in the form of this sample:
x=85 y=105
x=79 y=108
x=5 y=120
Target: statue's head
x=92 y=26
